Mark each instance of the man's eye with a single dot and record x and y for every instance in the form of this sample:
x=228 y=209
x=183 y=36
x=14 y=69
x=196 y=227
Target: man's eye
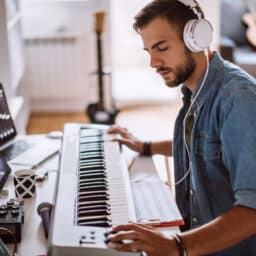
x=161 y=49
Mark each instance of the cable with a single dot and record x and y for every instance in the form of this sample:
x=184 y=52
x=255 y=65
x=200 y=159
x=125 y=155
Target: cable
x=5 y=230
x=186 y=116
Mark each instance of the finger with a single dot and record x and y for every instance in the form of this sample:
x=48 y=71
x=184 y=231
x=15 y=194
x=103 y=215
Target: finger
x=129 y=235
x=132 y=226
x=112 y=128
x=119 y=130
x=132 y=247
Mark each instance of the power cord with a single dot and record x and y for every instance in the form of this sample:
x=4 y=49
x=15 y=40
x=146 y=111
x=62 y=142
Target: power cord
x=7 y=231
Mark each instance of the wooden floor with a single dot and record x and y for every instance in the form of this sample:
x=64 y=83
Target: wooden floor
x=154 y=122
x=46 y=122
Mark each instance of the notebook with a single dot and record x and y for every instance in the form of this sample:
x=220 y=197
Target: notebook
x=154 y=203
x=18 y=150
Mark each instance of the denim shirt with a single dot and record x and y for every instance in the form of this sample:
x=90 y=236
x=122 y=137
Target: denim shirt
x=222 y=150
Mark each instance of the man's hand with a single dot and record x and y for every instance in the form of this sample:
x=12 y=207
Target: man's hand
x=126 y=138
x=133 y=237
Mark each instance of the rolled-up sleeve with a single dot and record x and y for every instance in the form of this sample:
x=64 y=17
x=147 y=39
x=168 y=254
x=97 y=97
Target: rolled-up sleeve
x=238 y=135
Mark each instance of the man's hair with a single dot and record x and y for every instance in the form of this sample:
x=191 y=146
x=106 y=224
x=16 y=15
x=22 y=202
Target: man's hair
x=176 y=13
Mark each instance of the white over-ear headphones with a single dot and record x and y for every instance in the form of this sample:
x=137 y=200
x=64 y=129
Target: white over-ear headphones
x=197 y=33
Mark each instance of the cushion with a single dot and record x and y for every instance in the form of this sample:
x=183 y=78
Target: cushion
x=231 y=20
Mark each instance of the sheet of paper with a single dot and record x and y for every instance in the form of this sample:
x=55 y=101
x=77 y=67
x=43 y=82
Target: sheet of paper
x=154 y=201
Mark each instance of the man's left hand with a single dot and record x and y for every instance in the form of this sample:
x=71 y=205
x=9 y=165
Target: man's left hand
x=134 y=237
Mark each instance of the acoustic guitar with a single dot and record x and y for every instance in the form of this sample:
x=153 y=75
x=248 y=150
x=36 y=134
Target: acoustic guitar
x=249 y=18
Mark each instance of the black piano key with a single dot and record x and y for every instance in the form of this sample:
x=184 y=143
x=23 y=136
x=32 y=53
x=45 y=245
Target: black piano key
x=91 y=154
x=93 y=175
x=100 y=174
x=85 y=136
x=88 y=165
x=92 y=151
x=94 y=188
x=93 y=205
x=90 y=183
x=93 y=213
x=92 y=158
x=87 y=198
x=86 y=173
x=86 y=159
x=100 y=223
x=98 y=193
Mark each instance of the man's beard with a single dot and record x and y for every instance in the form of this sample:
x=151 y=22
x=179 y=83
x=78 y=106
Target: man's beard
x=181 y=72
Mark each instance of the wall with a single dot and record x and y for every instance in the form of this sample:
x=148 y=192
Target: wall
x=133 y=81
x=61 y=52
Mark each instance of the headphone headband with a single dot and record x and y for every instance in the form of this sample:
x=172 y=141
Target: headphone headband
x=193 y=6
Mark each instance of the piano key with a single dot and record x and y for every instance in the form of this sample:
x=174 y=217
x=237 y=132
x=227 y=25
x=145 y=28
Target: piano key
x=93 y=213
x=101 y=193
x=99 y=223
x=94 y=188
x=82 y=198
x=96 y=202
x=93 y=207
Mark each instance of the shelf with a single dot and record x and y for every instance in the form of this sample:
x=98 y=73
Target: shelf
x=14 y=20
x=15 y=105
x=16 y=81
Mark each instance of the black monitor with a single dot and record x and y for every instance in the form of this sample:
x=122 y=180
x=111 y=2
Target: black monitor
x=7 y=127
x=4 y=170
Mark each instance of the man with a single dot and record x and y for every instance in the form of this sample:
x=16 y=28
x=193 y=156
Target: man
x=215 y=162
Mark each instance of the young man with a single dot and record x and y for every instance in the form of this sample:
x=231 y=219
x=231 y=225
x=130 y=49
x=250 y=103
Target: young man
x=214 y=154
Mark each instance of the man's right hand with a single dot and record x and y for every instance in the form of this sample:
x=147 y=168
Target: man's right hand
x=126 y=138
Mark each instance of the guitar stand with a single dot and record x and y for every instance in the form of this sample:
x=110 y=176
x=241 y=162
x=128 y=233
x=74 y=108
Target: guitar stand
x=99 y=116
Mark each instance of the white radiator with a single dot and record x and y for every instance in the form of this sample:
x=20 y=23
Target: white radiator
x=58 y=73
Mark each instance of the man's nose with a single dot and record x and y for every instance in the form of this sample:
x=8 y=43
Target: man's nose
x=155 y=61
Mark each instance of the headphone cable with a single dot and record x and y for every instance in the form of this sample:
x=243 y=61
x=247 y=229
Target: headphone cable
x=186 y=116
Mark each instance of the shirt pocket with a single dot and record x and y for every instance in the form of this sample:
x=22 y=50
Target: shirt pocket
x=207 y=147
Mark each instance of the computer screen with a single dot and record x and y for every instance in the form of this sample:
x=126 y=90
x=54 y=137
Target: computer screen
x=7 y=127
x=4 y=170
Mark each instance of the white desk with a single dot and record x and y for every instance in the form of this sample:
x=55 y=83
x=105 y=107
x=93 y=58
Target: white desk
x=33 y=241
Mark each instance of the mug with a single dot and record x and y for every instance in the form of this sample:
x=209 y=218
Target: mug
x=25 y=183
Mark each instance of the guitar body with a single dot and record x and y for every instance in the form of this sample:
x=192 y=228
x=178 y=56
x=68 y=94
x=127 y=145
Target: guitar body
x=250 y=20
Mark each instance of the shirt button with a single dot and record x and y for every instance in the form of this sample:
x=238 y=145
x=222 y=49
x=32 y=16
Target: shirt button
x=191 y=192
x=195 y=220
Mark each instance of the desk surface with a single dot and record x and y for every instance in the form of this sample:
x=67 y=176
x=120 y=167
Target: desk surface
x=33 y=241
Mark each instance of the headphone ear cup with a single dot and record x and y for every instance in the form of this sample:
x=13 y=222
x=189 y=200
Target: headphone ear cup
x=197 y=34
